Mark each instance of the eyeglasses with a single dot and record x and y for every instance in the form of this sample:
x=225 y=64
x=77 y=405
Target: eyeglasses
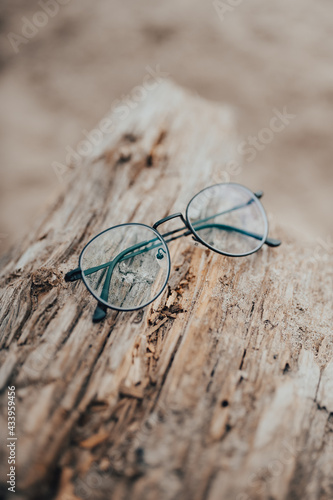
x=126 y=267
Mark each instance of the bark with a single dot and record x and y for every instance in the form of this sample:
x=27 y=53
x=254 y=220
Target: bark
x=220 y=389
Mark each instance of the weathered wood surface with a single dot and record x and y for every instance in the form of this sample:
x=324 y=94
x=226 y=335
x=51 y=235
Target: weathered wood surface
x=221 y=389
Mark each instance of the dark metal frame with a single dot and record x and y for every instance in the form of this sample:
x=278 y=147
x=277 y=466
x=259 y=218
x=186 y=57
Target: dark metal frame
x=186 y=230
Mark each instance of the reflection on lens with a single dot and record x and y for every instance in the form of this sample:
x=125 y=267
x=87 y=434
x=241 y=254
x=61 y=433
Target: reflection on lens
x=126 y=266
x=229 y=218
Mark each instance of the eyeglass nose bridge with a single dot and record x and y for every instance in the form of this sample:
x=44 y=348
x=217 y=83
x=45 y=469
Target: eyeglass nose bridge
x=169 y=217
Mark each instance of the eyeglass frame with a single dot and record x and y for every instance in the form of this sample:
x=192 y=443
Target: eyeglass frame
x=102 y=306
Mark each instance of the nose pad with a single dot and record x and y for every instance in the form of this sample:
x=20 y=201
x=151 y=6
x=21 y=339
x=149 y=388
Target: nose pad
x=159 y=254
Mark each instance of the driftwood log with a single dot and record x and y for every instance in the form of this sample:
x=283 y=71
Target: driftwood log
x=221 y=389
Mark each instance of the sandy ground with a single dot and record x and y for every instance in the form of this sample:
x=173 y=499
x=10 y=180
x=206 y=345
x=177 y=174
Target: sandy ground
x=262 y=55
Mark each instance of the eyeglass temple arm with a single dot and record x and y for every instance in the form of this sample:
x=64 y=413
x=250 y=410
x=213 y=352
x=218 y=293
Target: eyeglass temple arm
x=100 y=311
x=271 y=242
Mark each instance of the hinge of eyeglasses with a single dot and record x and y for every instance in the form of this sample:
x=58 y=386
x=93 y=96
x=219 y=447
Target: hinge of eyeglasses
x=259 y=194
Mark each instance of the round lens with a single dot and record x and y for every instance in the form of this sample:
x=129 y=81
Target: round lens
x=229 y=219
x=126 y=267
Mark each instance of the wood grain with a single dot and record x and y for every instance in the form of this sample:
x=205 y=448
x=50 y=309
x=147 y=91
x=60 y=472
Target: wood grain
x=220 y=389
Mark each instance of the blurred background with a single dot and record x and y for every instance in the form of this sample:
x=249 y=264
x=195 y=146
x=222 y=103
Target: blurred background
x=61 y=78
